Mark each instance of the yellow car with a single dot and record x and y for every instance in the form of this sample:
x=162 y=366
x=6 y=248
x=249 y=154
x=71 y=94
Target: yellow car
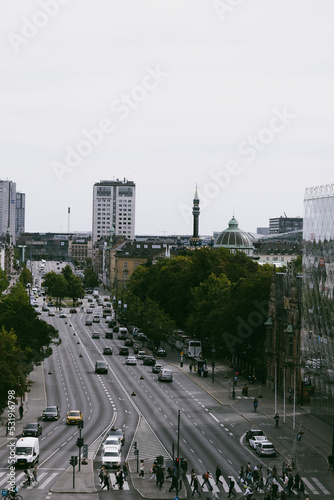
x=74 y=417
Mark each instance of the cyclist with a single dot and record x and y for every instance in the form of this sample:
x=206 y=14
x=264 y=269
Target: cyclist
x=255 y=404
x=276 y=417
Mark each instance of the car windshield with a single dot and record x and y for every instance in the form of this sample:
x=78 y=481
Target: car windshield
x=267 y=446
x=31 y=426
x=74 y=414
x=111 y=454
x=51 y=408
x=23 y=450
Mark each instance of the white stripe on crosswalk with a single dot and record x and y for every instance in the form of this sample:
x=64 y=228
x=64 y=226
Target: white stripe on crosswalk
x=309 y=486
x=46 y=482
x=318 y=483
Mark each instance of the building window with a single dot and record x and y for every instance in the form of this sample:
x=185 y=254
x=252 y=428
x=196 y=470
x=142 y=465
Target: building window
x=125 y=265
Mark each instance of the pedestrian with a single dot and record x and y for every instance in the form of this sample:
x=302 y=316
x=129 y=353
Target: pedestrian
x=231 y=488
x=141 y=469
x=27 y=480
x=174 y=483
x=170 y=472
x=153 y=471
x=206 y=476
x=192 y=475
x=218 y=474
x=191 y=367
x=248 y=479
x=196 y=485
x=125 y=471
x=301 y=489
x=34 y=474
x=296 y=481
x=21 y=411
x=241 y=475
x=120 y=480
x=106 y=482
x=160 y=477
x=101 y=473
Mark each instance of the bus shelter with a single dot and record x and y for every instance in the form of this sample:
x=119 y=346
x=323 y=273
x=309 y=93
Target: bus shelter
x=200 y=365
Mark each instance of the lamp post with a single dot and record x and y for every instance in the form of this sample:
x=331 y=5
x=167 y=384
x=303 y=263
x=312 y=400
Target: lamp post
x=213 y=360
x=178 y=452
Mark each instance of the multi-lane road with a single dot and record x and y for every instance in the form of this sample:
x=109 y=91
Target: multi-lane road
x=210 y=433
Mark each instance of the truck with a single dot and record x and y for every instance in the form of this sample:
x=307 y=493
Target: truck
x=95 y=293
x=26 y=451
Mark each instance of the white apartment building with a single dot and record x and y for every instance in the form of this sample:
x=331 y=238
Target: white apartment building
x=8 y=208
x=114 y=206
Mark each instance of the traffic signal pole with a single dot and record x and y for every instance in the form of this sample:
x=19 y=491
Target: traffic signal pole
x=178 y=453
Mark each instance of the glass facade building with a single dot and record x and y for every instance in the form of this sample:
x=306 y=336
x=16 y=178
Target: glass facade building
x=317 y=339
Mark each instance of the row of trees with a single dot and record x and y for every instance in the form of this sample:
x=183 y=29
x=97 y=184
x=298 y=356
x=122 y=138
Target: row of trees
x=219 y=297
x=25 y=341
x=65 y=284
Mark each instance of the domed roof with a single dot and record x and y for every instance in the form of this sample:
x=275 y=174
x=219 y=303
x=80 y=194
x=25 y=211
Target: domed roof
x=233 y=237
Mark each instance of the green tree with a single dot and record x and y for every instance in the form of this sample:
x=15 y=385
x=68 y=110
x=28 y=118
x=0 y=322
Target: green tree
x=67 y=272
x=4 y=283
x=90 y=279
x=25 y=276
x=74 y=288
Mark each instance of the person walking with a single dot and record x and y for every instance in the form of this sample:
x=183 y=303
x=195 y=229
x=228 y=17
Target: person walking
x=34 y=475
x=206 y=478
x=160 y=477
x=120 y=479
x=125 y=470
x=301 y=489
x=196 y=485
x=142 y=469
x=174 y=483
x=153 y=471
x=218 y=474
x=101 y=474
x=231 y=488
x=21 y=411
x=106 y=482
x=241 y=475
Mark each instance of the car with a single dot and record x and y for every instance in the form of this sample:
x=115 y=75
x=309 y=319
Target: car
x=33 y=430
x=38 y=312
x=123 y=351
x=165 y=375
x=51 y=413
x=149 y=361
x=101 y=367
x=111 y=457
x=45 y=309
x=50 y=304
x=96 y=318
x=156 y=368
x=255 y=440
x=136 y=348
x=107 y=350
x=96 y=335
x=131 y=360
x=92 y=306
x=112 y=441
x=90 y=300
x=253 y=432
x=89 y=322
x=141 y=354
x=51 y=313
x=73 y=311
x=35 y=304
x=161 y=353
x=128 y=342
x=115 y=329
x=73 y=417
x=62 y=315
x=265 y=449
x=117 y=432
x=112 y=323
x=109 y=335
x=89 y=310
x=106 y=299
x=121 y=336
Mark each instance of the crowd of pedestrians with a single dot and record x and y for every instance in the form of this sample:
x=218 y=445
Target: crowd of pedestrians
x=121 y=476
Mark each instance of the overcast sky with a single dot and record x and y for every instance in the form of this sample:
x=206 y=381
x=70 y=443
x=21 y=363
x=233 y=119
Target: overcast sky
x=235 y=96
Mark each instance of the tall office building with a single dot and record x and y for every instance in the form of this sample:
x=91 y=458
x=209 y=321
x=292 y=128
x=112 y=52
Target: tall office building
x=114 y=206
x=20 y=213
x=281 y=224
x=8 y=209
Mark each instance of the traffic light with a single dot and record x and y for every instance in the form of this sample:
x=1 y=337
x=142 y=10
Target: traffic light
x=135 y=445
x=73 y=460
x=160 y=460
x=80 y=424
x=80 y=442
x=177 y=462
x=85 y=451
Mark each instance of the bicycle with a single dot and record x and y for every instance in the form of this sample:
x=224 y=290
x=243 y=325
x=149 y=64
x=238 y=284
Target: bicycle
x=10 y=495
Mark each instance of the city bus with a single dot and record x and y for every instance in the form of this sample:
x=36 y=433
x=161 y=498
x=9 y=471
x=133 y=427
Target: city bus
x=192 y=348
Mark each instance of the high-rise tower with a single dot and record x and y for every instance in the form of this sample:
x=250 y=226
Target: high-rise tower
x=195 y=238
x=8 y=209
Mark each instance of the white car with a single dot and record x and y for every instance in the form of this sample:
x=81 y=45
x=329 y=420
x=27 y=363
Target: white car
x=131 y=360
x=141 y=355
x=255 y=440
x=111 y=457
x=112 y=441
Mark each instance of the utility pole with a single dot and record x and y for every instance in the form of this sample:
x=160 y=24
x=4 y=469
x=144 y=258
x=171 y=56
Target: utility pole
x=178 y=452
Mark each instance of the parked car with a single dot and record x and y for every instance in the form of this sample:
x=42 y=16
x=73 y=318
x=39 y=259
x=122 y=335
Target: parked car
x=107 y=350
x=266 y=449
x=33 y=430
x=51 y=413
x=253 y=432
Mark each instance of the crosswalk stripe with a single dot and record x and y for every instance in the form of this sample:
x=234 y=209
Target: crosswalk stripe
x=318 y=483
x=5 y=479
x=310 y=487
x=42 y=485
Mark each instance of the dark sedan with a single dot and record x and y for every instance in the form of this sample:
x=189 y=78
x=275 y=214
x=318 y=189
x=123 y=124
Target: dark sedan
x=34 y=429
x=149 y=361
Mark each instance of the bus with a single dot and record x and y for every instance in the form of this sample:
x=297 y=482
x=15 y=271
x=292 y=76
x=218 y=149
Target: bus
x=193 y=348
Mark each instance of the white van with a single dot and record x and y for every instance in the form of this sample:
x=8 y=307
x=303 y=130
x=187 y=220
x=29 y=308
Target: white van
x=26 y=451
x=165 y=375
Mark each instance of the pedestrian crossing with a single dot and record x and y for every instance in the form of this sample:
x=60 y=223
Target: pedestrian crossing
x=44 y=478
x=312 y=485
x=114 y=485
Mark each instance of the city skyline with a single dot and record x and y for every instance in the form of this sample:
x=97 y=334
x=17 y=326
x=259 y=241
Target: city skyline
x=236 y=100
